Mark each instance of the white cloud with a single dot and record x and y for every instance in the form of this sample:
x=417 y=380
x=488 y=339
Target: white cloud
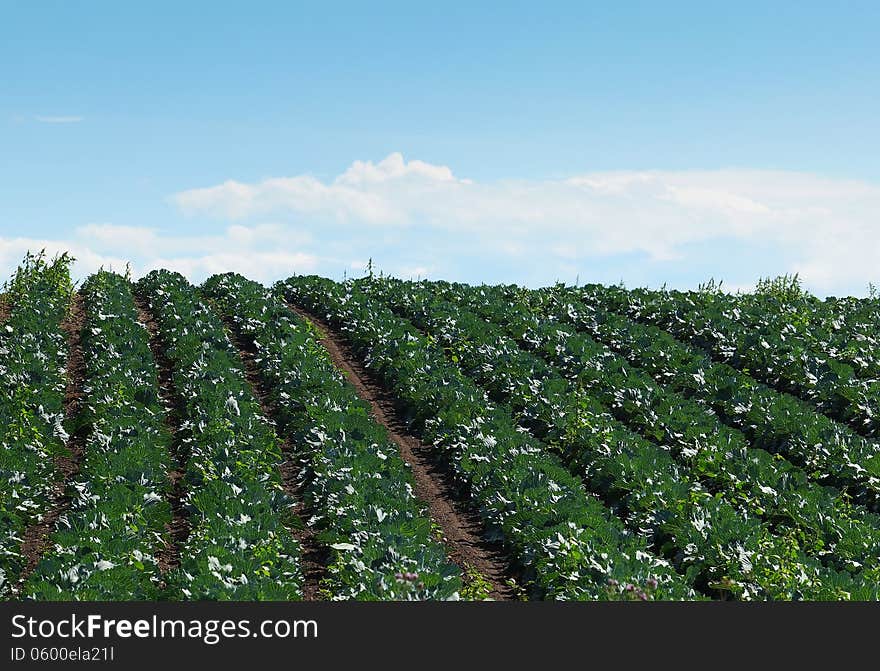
x=265 y=253
x=260 y=266
x=304 y=195
x=393 y=167
x=59 y=119
x=365 y=192
x=412 y=218
x=12 y=250
x=824 y=228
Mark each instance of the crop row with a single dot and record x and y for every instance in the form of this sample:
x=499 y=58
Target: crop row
x=776 y=357
x=846 y=329
x=829 y=525
x=383 y=545
x=239 y=546
x=33 y=360
x=842 y=329
x=105 y=545
x=830 y=452
x=714 y=544
x=564 y=540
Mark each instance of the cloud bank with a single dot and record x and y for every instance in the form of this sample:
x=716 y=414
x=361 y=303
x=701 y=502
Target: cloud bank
x=416 y=218
x=264 y=252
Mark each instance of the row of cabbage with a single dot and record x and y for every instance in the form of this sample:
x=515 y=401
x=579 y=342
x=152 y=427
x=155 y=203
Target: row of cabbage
x=828 y=524
x=829 y=452
x=774 y=351
x=106 y=544
x=567 y=544
x=841 y=328
x=33 y=360
x=846 y=329
x=383 y=545
x=239 y=546
x=716 y=545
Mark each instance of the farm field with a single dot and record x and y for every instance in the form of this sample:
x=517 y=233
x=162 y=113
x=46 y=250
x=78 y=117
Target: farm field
x=381 y=439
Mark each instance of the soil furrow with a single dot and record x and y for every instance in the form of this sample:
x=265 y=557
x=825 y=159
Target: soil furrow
x=461 y=527
x=315 y=556
x=178 y=529
x=36 y=538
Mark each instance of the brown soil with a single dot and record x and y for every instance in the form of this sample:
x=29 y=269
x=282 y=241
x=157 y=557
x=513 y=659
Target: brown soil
x=178 y=529
x=36 y=537
x=315 y=556
x=461 y=527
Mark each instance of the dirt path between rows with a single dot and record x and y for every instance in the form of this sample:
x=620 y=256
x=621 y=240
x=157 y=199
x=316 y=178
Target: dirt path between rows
x=178 y=529
x=315 y=556
x=461 y=527
x=36 y=537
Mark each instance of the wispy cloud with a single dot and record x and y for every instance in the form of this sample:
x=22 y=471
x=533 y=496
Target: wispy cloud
x=58 y=119
x=824 y=228
x=264 y=253
x=411 y=218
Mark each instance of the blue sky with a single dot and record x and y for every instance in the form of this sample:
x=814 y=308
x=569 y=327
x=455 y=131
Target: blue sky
x=649 y=142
